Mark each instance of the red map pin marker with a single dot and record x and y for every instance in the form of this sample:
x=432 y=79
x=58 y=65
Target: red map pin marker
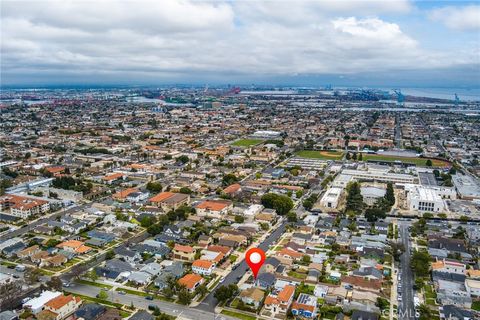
x=255 y=258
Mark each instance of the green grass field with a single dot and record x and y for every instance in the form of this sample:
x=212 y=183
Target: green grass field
x=246 y=142
x=476 y=305
x=417 y=161
x=321 y=155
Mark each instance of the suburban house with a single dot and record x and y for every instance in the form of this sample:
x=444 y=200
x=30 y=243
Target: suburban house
x=252 y=296
x=60 y=307
x=214 y=208
x=305 y=306
x=203 y=267
x=279 y=303
x=191 y=281
x=183 y=253
x=74 y=246
x=168 y=201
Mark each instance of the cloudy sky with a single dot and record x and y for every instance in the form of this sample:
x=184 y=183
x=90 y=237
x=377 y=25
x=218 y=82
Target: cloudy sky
x=341 y=42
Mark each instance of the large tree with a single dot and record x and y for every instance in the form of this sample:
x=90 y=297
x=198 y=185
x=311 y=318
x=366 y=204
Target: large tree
x=281 y=204
x=10 y=294
x=354 y=198
x=420 y=263
x=225 y=293
x=55 y=283
x=229 y=179
x=390 y=195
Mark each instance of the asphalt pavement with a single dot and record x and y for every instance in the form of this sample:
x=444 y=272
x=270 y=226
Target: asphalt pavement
x=209 y=303
x=32 y=225
x=142 y=303
x=406 y=307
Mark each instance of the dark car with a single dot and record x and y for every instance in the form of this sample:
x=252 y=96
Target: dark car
x=149 y=297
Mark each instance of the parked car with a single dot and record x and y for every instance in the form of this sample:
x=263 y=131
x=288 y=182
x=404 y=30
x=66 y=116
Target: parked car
x=149 y=297
x=20 y=268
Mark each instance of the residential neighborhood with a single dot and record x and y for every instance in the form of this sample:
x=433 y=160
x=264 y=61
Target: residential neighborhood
x=117 y=209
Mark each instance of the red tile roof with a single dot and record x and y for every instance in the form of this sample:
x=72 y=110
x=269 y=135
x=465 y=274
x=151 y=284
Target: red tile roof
x=190 y=280
x=60 y=301
x=214 y=205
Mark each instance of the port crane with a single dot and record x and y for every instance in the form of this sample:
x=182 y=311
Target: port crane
x=457 y=100
x=400 y=96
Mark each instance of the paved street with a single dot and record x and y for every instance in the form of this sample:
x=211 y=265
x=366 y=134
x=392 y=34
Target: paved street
x=406 y=306
x=79 y=269
x=140 y=302
x=209 y=303
x=398 y=132
x=30 y=226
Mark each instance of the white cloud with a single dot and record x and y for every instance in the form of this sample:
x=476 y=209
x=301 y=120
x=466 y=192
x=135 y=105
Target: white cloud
x=458 y=18
x=161 y=38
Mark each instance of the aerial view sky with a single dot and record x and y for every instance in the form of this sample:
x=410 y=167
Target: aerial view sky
x=339 y=42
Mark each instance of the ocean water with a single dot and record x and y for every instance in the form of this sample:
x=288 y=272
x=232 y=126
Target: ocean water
x=464 y=94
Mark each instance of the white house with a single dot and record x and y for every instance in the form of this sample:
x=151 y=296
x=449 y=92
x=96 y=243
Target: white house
x=203 y=267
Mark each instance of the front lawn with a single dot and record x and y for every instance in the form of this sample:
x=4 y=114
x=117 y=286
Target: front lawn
x=95 y=284
x=134 y=292
x=97 y=300
x=238 y=315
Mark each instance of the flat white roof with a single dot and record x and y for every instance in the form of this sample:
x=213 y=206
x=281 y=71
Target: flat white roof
x=39 y=302
x=422 y=193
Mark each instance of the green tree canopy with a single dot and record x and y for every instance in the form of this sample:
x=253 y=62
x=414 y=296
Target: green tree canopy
x=153 y=186
x=282 y=204
x=229 y=179
x=225 y=293
x=354 y=198
x=420 y=263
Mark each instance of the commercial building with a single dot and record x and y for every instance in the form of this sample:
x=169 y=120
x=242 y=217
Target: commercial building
x=423 y=199
x=381 y=176
x=468 y=187
x=267 y=134
x=372 y=194
x=342 y=180
x=309 y=164
x=331 y=198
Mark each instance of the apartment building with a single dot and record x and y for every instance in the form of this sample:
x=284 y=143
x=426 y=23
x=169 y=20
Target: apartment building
x=23 y=207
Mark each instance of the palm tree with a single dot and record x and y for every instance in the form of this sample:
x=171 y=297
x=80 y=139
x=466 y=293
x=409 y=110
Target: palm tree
x=425 y=312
